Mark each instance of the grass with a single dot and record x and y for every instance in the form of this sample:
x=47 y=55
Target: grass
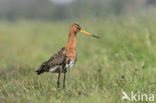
x=122 y=60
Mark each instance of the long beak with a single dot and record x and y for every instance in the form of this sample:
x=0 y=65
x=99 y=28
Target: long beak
x=84 y=32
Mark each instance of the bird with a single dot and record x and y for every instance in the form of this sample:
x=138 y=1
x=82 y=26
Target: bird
x=65 y=58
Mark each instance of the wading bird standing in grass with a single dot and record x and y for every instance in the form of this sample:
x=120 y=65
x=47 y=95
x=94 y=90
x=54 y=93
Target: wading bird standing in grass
x=63 y=60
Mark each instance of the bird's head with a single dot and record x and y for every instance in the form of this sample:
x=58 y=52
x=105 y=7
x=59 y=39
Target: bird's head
x=76 y=28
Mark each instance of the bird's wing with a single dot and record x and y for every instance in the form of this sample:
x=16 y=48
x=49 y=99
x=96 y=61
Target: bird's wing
x=57 y=59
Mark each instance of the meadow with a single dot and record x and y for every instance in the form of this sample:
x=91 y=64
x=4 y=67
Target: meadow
x=123 y=59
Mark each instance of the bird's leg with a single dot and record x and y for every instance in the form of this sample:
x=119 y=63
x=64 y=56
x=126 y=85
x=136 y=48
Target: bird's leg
x=58 y=81
x=64 y=79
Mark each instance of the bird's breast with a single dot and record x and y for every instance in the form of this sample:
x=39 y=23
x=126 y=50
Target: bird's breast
x=71 y=58
x=71 y=52
x=70 y=64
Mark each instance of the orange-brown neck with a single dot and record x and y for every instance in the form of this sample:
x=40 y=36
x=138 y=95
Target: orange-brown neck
x=71 y=40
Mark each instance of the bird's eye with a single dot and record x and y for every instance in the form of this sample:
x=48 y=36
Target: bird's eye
x=78 y=28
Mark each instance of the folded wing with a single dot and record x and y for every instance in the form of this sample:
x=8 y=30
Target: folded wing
x=53 y=63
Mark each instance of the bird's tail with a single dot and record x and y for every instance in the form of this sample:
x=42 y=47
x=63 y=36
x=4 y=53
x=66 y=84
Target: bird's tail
x=39 y=71
x=42 y=68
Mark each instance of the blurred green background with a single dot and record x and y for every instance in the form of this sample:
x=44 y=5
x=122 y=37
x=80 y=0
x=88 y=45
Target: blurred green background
x=72 y=9
x=123 y=59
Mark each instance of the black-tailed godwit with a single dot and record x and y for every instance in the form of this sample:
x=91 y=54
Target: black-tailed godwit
x=63 y=60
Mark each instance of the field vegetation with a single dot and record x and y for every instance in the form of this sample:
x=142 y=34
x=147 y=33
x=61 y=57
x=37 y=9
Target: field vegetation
x=123 y=59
